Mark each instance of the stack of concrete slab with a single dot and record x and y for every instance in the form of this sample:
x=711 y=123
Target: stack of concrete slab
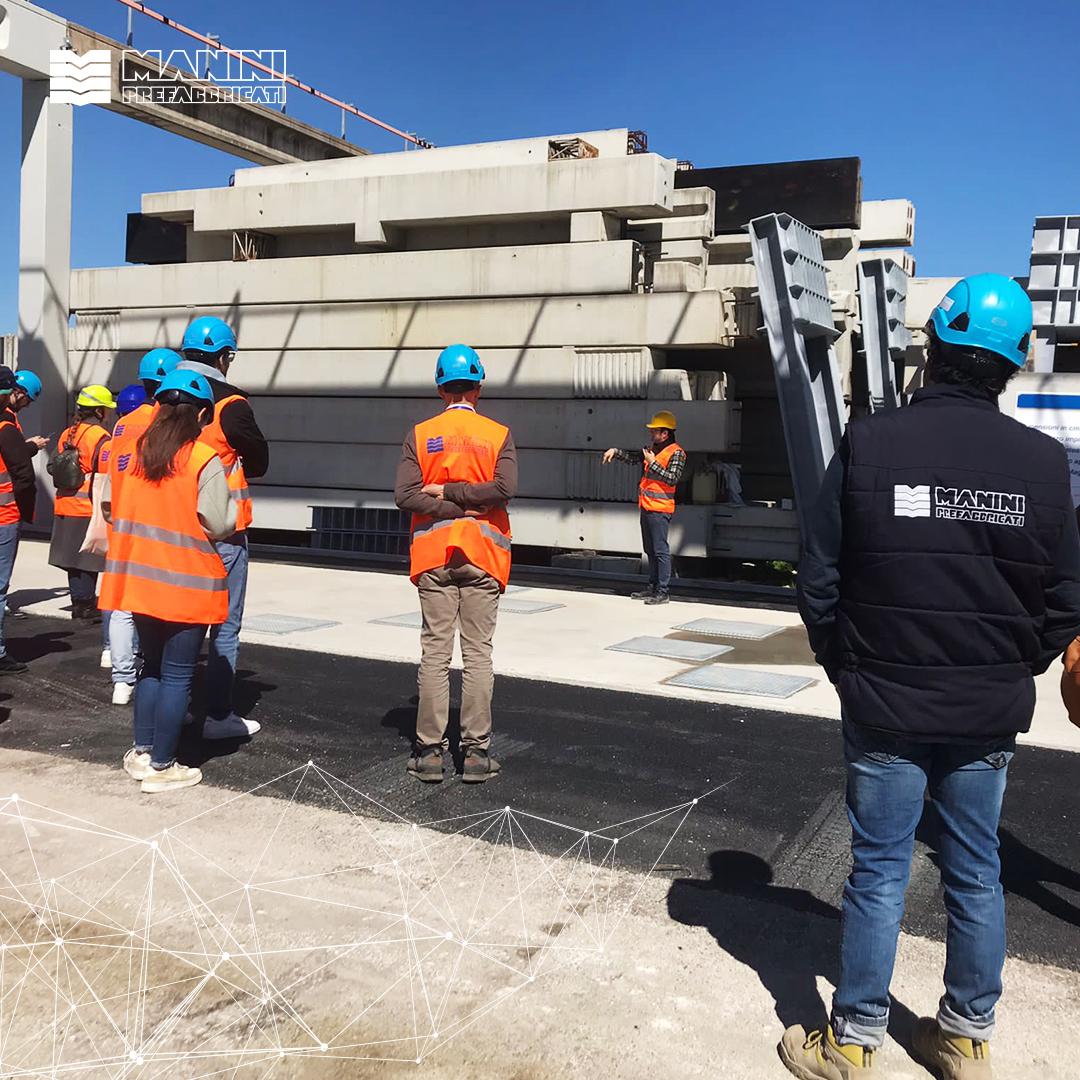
x=595 y=291
x=1054 y=287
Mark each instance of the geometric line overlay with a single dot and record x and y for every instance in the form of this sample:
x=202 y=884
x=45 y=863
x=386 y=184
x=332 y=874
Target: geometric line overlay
x=147 y=956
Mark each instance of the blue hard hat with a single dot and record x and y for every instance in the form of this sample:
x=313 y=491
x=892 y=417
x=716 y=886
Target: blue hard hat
x=157 y=363
x=458 y=363
x=987 y=311
x=130 y=398
x=30 y=383
x=179 y=387
x=208 y=334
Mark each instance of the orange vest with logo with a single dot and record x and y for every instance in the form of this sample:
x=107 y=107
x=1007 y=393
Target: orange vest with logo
x=654 y=494
x=160 y=561
x=214 y=437
x=9 y=511
x=459 y=445
x=126 y=432
x=75 y=502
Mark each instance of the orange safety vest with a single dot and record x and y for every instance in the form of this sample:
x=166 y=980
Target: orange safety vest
x=214 y=437
x=654 y=494
x=9 y=511
x=160 y=561
x=127 y=431
x=459 y=445
x=75 y=502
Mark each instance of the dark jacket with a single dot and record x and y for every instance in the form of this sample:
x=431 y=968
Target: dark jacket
x=17 y=454
x=238 y=423
x=941 y=569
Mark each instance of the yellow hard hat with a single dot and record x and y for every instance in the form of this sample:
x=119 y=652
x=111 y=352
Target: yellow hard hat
x=96 y=397
x=662 y=420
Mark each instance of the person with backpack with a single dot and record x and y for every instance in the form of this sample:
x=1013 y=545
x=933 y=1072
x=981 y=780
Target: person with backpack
x=74 y=462
x=168 y=502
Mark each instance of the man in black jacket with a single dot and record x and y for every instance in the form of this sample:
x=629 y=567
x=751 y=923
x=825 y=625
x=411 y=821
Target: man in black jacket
x=940 y=573
x=18 y=494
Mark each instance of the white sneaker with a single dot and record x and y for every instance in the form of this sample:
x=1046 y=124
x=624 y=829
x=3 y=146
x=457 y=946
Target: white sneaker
x=175 y=776
x=232 y=727
x=106 y=659
x=122 y=693
x=137 y=765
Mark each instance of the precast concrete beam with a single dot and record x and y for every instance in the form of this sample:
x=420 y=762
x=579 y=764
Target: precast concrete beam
x=27 y=35
x=887 y=223
x=923 y=296
x=693 y=217
x=658 y=320
x=537 y=270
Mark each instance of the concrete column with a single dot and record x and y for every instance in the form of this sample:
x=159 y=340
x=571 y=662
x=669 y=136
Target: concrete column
x=45 y=265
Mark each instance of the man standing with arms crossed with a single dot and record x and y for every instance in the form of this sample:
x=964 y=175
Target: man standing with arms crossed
x=941 y=571
x=209 y=347
x=662 y=469
x=457 y=472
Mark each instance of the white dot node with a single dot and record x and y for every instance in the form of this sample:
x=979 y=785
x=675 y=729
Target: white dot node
x=59 y=941
x=616 y=840
x=323 y=1047
x=153 y=845
x=506 y=809
x=395 y=862
x=52 y=881
x=281 y=1053
x=14 y=798
x=246 y=887
x=138 y=1061
x=417 y=1061
x=585 y=835
x=133 y=1055
x=449 y=936
x=224 y=956
x=695 y=802
x=532 y=978
x=311 y=763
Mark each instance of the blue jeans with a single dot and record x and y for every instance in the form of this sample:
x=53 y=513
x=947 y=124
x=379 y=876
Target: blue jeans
x=225 y=639
x=654 y=536
x=170 y=653
x=886 y=780
x=9 y=546
x=124 y=644
x=82 y=584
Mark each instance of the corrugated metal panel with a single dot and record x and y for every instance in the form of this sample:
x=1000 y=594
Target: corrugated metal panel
x=96 y=330
x=9 y=350
x=612 y=373
x=587 y=477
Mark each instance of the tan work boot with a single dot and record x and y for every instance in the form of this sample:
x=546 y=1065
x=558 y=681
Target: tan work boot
x=175 y=776
x=818 y=1057
x=957 y=1058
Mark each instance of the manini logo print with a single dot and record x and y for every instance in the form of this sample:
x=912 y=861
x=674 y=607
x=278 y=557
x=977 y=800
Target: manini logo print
x=80 y=80
x=959 y=504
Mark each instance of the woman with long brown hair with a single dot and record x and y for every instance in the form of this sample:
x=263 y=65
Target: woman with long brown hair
x=168 y=500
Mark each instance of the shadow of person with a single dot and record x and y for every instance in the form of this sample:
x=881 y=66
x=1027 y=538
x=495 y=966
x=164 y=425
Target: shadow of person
x=28 y=649
x=21 y=598
x=1027 y=872
x=787 y=935
x=403 y=720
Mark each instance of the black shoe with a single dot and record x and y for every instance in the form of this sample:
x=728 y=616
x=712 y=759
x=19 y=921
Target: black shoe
x=85 y=611
x=658 y=598
x=645 y=594
x=12 y=667
x=479 y=766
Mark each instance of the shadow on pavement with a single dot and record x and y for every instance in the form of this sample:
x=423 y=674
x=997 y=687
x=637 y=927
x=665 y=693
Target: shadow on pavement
x=21 y=598
x=788 y=936
x=28 y=649
x=1027 y=873
x=403 y=720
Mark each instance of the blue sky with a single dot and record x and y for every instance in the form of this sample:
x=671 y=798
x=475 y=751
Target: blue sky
x=961 y=107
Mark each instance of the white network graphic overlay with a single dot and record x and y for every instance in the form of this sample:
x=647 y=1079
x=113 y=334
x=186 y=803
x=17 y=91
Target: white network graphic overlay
x=129 y=956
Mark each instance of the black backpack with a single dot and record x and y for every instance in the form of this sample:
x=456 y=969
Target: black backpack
x=63 y=465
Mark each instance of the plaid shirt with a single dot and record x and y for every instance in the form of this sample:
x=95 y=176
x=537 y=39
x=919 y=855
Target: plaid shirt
x=671 y=475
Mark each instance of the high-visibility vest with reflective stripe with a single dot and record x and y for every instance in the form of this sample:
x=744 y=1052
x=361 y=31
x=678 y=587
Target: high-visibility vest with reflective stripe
x=214 y=437
x=654 y=494
x=75 y=502
x=9 y=511
x=459 y=445
x=160 y=561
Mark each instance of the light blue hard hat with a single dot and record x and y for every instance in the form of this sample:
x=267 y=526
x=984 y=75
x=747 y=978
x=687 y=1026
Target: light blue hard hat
x=30 y=383
x=184 y=387
x=458 y=363
x=987 y=311
x=208 y=334
x=157 y=363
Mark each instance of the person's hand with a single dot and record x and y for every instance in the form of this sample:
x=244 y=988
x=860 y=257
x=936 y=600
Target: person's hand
x=609 y=455
x=433 y=489
x=39 y=441
x=650 y=457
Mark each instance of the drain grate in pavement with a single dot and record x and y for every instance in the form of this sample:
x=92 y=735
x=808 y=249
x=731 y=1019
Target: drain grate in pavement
x=694 y=651
x=284 y=624
x=727 y=680
x=413 y=620
x=526 y=607
x=746 y=631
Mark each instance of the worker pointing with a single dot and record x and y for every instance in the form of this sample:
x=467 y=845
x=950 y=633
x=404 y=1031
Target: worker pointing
x=457 y=472
x=662 y=466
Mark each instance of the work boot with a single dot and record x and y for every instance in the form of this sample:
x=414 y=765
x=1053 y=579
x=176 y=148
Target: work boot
x=85 y=610
x=137 y=765
x=12 y=667
x=818 y=1057
x=479 y=766
x=170 y=779
x=658 y=598
x=956 y=1058
x=644 y=594
x=426 y=764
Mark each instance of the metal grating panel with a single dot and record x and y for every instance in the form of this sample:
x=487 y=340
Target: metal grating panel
x=526 y=607
x=413 y=620
x=612 y=373
x=284 y=624
x=727 y=680
x=746 y=631
x=694 y=651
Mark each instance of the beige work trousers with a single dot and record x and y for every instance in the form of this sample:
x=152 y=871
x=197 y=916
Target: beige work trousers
x=456 y=597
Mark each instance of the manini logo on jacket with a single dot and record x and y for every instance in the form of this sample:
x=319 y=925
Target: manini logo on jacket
x=959 y=504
